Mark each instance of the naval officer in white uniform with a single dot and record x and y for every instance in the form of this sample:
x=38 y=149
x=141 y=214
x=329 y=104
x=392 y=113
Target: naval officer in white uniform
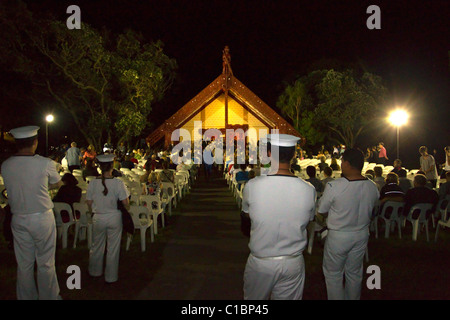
x=279 y=206
x=348 y=202
x=28 y=177
x=102 y=196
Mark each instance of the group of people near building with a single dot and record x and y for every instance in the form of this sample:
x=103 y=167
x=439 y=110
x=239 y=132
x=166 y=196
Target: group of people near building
x=277 y=208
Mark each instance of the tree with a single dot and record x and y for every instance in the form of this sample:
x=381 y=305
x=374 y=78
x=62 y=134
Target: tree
x=349 y=103
x=297 y=102
x=106 y=84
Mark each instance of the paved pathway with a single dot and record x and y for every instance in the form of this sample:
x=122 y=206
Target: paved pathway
x=206 y=256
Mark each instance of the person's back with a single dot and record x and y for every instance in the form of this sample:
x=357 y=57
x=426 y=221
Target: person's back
x=68 y=194
x=73 y=156
x=348 y=203
x=28 y=178
x=352 y=203
x=311 y=172
x=420 y=194
x=24 y=176
x=283 y=223
x=279 y=207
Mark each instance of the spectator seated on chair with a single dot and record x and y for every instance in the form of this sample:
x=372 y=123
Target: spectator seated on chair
x=444 y=188
x=429 y=184
x=311 y=172
x=370 y=174
x=378 y=178
x=242 y=175
x=397 y=166
x=328 y=173
x=127 y=163
x=166 y=175
x=420 y=194
x=153 y=185
x=90 y=170
x=69 y=192
x=334 y=165
x=391 y=191
x=322 y=165
x=404 y=183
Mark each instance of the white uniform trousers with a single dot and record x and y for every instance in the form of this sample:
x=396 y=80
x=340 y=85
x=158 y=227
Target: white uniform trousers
x=35 y=241
x=277 y=279
x=343 y=255
x=107 y=231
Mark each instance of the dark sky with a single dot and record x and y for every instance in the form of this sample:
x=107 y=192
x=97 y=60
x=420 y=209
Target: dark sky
x=272 y=41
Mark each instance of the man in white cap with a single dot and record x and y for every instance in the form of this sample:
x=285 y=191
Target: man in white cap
x=28 y=177
x=348 y=203
x=279 y=207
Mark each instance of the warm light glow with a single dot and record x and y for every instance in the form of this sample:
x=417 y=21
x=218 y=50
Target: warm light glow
x=398 y=117
x=49 y=118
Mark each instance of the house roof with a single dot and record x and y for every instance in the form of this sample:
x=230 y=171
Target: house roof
x=228 y=83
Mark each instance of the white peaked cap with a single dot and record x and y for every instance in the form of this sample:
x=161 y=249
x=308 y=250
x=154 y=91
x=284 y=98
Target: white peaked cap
x=24 y=132
x=282 y=140
x=106 y=157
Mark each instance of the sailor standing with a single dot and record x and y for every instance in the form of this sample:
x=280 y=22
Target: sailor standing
x=102 y=197
x=348 y=202
x=28 y=177
x=279 y=206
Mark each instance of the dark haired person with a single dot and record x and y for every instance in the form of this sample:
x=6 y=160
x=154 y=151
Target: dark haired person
x=28 y=177
x=311 y=172
x=327 y=172
x=348 y=203
x=397 y=166
x=404 y=183
x=420 y=194
x=69 y=192
x=90 y=170
x=279 y=207
x=102 y=196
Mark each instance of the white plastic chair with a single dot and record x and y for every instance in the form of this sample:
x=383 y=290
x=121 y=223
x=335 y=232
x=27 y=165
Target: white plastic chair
x=63 y=227
x=169 y=192
x=441 y=209
x=142 y=221
x=83 y=223
x=155 y=207
x=418 y=215
x=444 y=221
x=391 y=212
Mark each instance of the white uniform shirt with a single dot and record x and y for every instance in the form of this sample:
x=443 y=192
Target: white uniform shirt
x=280 y=208
x=27 y=178
x=106 y=204
x=349 y=203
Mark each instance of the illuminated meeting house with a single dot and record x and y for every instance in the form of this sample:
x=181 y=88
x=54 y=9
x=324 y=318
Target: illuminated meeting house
x=226 y=103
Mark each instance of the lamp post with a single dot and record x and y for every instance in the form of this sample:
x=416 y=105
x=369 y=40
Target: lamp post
x=49 y=118
x=398 y=118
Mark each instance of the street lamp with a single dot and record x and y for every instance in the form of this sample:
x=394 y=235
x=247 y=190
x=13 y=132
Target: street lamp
x=49 y=118
x=398 y=118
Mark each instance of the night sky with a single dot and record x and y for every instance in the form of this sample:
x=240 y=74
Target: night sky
x=273 y=41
